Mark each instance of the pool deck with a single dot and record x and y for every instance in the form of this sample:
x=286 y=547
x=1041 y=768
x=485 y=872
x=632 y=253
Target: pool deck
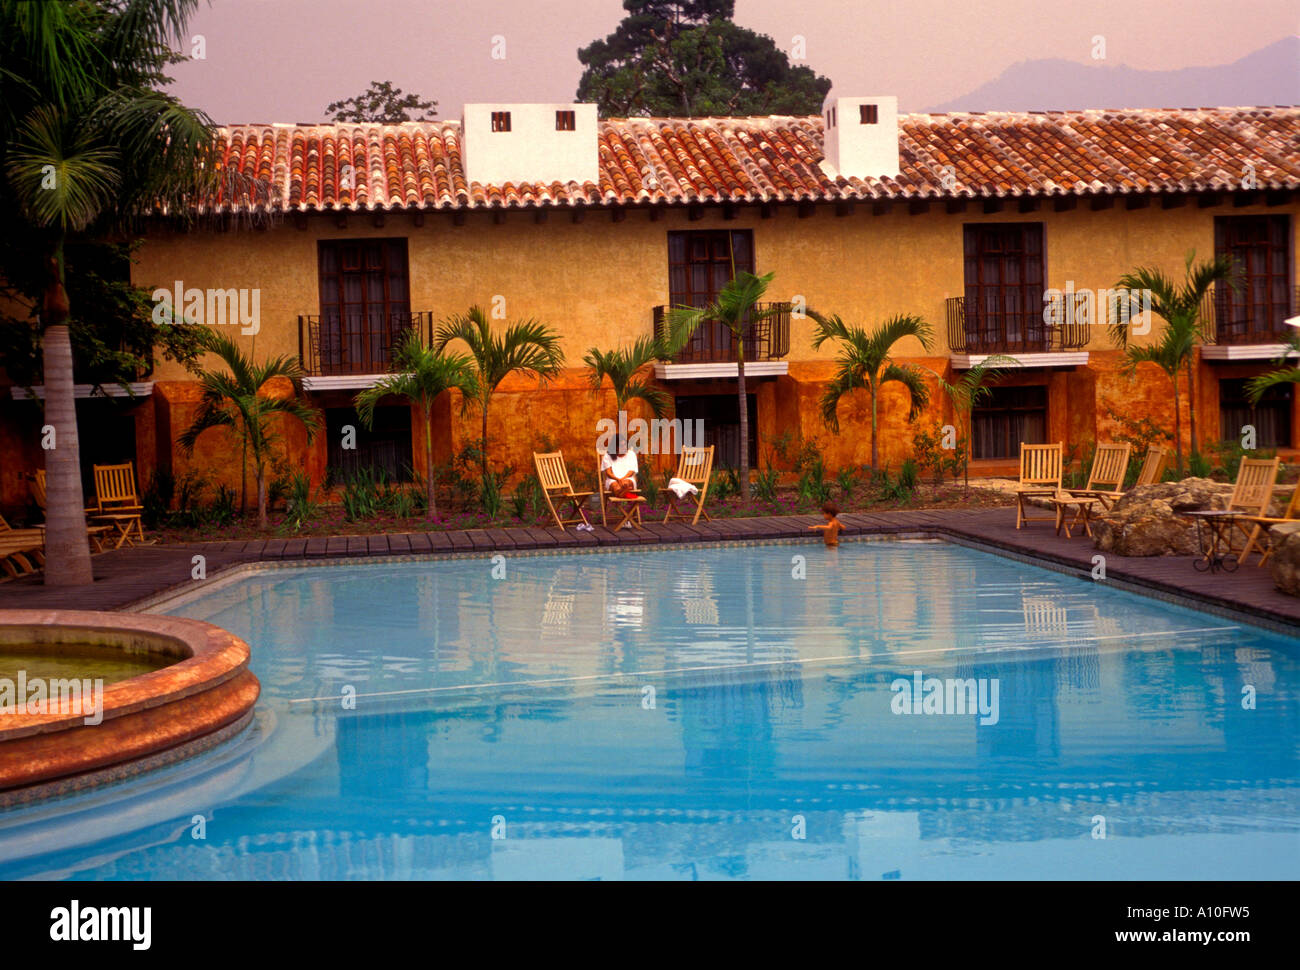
x=128 y=577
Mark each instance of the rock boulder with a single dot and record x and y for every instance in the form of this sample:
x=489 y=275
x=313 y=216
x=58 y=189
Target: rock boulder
x=1285 y=561
x=1143 y=523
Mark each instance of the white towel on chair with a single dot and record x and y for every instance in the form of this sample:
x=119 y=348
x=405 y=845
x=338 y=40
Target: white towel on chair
x=682 y=488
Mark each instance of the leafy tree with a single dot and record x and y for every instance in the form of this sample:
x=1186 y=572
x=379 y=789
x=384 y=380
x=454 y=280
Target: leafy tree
x=1179 y=305
x=88 y=141
x=236 y=398
x=526 y=347
x=687 y=57
x=736 y=308
x=421 y=374
x=622 y=366
x=382 y=103
x=865 y=363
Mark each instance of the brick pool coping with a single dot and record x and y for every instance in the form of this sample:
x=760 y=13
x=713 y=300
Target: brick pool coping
x=207 y=690
x=128 y=579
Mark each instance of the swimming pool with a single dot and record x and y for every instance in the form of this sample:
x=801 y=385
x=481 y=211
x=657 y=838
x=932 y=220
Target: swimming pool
x=714 y=713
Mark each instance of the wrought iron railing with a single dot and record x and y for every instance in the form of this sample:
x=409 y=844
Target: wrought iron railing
x=1229 y=317
x=359 y=342
x=984 y=331
x=766 y=338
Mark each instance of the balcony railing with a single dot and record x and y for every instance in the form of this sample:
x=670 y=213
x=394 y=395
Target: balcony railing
x=767 y=338
x=359 y=342
x=1240 y=318
x=1009 y=331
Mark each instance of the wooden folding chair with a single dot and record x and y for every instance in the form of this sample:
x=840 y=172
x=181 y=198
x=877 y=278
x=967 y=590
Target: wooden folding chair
x=557 y=489
x=1040 y=477
x=1251 y=497
x=1259 y=540
x=21 y=553
x=117 y=503
x=96 y=534
x=696 y=468
x=629 y=508
x=1154 y=465
x=1105 y=485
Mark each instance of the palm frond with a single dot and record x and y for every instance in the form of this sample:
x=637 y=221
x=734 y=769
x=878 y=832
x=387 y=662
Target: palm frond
x=913 y=379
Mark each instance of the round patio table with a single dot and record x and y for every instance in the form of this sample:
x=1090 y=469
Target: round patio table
x=1218 y=526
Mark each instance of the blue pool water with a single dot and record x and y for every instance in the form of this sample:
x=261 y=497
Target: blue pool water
x=713 y=713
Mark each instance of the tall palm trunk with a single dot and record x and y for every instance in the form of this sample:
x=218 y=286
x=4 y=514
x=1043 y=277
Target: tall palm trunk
x=1178 y=426
x=67 y=550
x=483 y=440
x=875 y=432
x=744 y=421
x=431 y=497
x=1191 y=403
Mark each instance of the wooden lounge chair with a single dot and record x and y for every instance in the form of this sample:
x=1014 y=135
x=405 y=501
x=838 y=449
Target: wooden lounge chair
x=1105 y=485
x=1251 y=497
x=695 y=467
x=558 y=491
x=629 y=508
x=20 y=552
x=97 y=534
x=1040 y=478
x=1258 y=540
x=117 y=503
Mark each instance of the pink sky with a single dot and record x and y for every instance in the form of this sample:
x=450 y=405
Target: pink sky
x=284 y=60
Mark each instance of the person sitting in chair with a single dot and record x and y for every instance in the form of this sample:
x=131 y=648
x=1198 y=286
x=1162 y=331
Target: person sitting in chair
x=620 y=475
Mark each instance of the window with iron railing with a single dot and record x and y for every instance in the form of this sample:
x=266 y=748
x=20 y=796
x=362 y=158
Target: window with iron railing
x=1003 y=301
x=365 y=303
x=1256 y=310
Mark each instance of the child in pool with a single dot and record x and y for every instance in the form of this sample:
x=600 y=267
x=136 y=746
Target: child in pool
x=831 y=530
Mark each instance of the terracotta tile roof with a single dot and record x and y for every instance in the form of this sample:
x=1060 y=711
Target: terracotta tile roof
x=704 y=160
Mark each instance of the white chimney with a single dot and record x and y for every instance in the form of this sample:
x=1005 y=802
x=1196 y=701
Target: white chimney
x=861 y=136
x=530 y=143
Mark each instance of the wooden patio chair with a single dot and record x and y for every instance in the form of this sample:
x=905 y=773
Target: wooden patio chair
x=1251 y=497
x=1154 y=465
x=1259 y=540
x=21 y=553
x=1105 y=485
x=117 y=503
x=97 y=534
x=629 y=508
x=558 y=490
x=1040 y=478
x=695 y=467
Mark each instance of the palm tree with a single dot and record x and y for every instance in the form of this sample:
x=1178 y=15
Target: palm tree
x=1180 y=307
x=973 y=386
x=1288 y=372
x=87 y=142
x=527 y=347
x=420 y=374
x=621 y=366
x=736 y=308
x=865 y=363
x=235 y=399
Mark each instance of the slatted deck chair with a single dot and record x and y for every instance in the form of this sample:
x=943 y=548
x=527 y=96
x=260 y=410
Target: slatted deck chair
x=117 y=503
x=558 y=490
x=629 y=509
x=1258 y=540
x=1040 y=478
x=1105 y=485
x=97 y=534
x=1154 y=465
x=20 y=553
x=1251 y=497
x=695 y=467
